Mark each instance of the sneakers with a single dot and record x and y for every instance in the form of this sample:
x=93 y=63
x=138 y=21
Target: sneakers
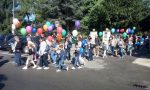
x=58 y=70
x=25 y=68
x=73 y=68
x=39 y=68
x=34 y=66
x=46 y=68
x=67 y=68
x=79 y=67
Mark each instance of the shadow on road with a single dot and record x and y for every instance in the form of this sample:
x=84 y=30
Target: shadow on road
x=3 y=62
x=1 y=57
x=2 y=78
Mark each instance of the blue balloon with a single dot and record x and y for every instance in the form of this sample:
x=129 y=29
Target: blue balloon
x=129 y=30
x=113 y=30
x=142 y=39
x=34 y=30
x=81 y=50
x=132 y=32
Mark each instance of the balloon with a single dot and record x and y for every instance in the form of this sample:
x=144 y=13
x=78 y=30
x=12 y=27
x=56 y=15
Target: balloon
x=134 y=28
x=59 y=37
x=34 y=30
x=124 y=34
x=50 y=38
x=40 y=30
x=56 y=23
x=113 y=30
x=59 y=30
x=15 y=21
x=121 y=30
x=118 y=30
x=129 y=30
x=81 y=50
x=132 y=32
x=29 y=29
x=64 y=32
x=77 y=24
x=45 y=27
x=50 y=28
x=48 y=23
x=23 y=31
x=74 y=33
x=18 y=25
x=100 y=34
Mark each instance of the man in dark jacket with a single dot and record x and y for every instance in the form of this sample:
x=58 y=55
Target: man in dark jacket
x=18 y=59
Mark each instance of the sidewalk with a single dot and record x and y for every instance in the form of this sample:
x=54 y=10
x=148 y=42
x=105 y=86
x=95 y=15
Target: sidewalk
x=142 y=61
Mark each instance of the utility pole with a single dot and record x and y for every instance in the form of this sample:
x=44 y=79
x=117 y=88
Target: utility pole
x=13 y=29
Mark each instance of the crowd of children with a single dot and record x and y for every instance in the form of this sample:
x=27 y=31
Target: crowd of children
x=43 y=51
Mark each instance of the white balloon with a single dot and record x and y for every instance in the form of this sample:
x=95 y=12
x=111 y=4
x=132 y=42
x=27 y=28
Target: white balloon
x=15 y=21
x=74 y=33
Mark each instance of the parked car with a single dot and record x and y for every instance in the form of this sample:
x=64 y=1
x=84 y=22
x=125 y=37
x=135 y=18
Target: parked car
x=9 y=42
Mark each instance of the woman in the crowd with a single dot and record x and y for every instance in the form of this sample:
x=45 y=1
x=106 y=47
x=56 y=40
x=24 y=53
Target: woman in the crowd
x=67 y=48
x=43 y=53
x=30 y=55
x=97 y=44
x=76 y=63
x=53 y=53
x=130 y=47
x=120 y=45
x=61 y=58
x=18 y=47
x=91 y=46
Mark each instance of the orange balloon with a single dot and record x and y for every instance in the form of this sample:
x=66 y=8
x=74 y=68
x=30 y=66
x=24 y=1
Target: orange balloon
x=45 y=27
x=18 y=25
x=59 y=37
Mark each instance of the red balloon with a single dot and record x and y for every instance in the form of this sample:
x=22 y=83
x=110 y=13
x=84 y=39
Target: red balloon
x=121 y=30
x=40 y=30
x=59 y=30
x=50 y=38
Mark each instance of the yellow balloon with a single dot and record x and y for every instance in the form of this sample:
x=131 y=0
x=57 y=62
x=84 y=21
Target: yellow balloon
x=45 y=27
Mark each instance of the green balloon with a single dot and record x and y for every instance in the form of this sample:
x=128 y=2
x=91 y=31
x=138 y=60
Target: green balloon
x=134 y=28
x=124 y=35
x=64 y=32
x=23 y=31
x=100 y=34
x=48 y=23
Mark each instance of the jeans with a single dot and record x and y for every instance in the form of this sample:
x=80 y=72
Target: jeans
x=68 y=56
x=77 y=63
x=61 y=64
x=90 y=54
x=120 y=51
x=43 y=60
x=18 y=59
x=112 y=50
x=53 y=56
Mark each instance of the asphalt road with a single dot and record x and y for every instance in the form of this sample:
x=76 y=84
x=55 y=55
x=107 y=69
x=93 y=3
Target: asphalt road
x=116 y=75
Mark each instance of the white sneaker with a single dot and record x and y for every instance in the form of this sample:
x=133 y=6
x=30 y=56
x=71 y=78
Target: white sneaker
x=79 y=67
x=25 y=68
x=58 y=70
x=73 y=68
x=54 y=63
x=67 y=68
x=34 y=66
x=46 y=68
x=39 y=68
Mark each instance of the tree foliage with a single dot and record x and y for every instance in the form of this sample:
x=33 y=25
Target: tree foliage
x=97 y=14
